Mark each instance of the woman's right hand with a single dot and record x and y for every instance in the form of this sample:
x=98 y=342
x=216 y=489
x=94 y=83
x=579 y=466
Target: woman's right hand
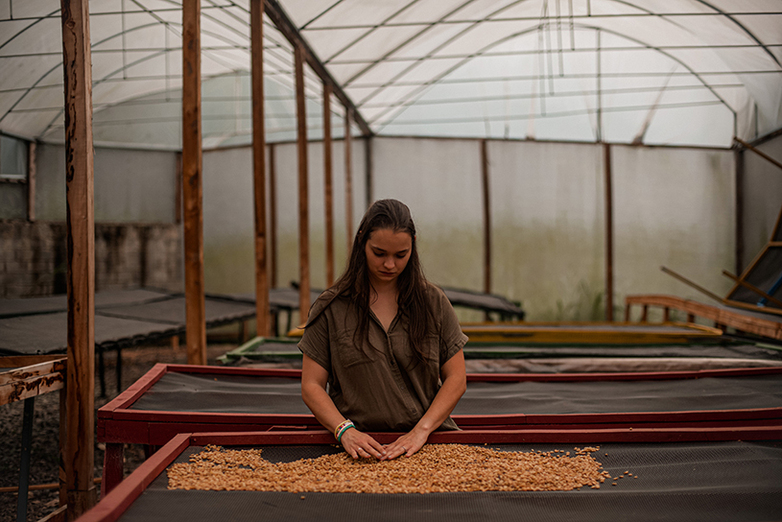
x=360 y=445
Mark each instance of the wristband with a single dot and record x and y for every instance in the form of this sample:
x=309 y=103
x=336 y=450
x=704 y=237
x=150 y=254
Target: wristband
x=342 y=428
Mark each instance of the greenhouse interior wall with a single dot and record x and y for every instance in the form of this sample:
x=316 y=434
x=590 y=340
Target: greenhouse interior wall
x=672 y=206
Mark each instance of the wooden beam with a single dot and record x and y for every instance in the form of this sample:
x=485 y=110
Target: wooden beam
x=283 y=22
x=192 y=188
x=370 y=189
x=348 y=180
x=746 y=323
x=738 y=156
x=609 y=233
x=692 y=284
x=78 y=460
x=304 y=222
x=758 y=152
x=328 y=188
x=263 y=320
x=31 y=175
x=273 y=214
x=486 y=218
x=753 y=288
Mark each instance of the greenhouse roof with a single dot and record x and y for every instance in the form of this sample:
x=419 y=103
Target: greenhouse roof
x=672 y=72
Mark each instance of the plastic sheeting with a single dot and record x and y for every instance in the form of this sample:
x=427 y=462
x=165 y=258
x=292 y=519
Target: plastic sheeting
x=653 y=71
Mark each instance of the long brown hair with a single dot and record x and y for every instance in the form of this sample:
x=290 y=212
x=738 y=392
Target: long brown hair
x=354 y=284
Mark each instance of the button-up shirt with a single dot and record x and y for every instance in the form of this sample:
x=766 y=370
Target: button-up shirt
x=381 y=385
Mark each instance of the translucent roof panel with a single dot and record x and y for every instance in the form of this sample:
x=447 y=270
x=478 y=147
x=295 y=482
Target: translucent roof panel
x=679 y=72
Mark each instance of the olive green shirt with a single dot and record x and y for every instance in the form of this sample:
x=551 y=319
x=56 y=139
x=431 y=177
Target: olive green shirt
x=381 y=386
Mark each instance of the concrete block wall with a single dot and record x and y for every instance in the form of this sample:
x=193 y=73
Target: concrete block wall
x=33 y=257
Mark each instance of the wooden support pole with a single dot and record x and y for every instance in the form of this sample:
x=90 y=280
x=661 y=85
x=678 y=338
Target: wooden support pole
x=31 y=174
x=348 y=180
x=78 y=460
x=486 y=218
x=609 y=234
x=273 y=214
x=328 y=188
x=192 y=188
x=304 y=224
x=758 y=152
x=262 y=318
x=370 y=189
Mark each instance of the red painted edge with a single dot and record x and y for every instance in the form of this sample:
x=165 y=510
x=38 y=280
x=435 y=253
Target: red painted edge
x=231 y=370
x=134 y=391
x=110 y=508
x=122 y=496
x=622 y=376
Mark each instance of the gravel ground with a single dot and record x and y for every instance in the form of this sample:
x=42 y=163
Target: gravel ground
x=45 y=454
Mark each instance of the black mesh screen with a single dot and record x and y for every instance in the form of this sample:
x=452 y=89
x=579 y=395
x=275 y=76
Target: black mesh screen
x=731 y=481
x=245 y=394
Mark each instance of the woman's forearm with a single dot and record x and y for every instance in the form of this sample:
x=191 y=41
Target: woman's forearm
x=452 y=389
x=321 y=405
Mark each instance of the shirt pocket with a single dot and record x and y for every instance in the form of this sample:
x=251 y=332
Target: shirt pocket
x=348 y=353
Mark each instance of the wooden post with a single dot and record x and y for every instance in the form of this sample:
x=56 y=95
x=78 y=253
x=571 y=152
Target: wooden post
x=486 y=218
x=327 y=184
x=259 y=171
x=370 y=189
x=31 y=171
x=348 y=181
x=192 y=190
x=304 y=236
x=78 y=460
x=738 y=156
x=609 y=235
x=273 y=214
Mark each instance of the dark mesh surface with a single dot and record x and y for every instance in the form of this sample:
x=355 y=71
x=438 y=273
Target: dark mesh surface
x=242 y=394
x=47 y=333
x=728 y=351
x=481 y=301
x=121 y=318
x=59 y=303
x=731 y=481
x=766 y=272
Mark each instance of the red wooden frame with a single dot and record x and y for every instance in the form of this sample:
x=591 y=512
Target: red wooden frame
x=117 y=424
x=115 y=503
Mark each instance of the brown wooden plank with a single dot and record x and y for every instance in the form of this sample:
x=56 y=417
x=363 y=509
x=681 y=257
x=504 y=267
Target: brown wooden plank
x=348 y=180
x=262 y=318
x=486 y=218
x=750 y=324
x=31 y=176
x=17 y=361
x=192 y=188
x=273 y=215
x=32 y=386
x=609 y=234
x=80 y=240
x=328 y=188
x=301 y=142
x=32 y=370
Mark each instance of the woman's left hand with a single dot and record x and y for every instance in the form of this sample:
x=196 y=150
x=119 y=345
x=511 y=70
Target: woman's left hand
x=407 y=444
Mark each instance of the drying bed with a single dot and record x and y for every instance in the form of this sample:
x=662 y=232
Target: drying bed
x=173 y=399
x=735 y=476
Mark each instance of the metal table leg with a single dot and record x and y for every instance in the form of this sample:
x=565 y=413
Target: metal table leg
x=24 y=467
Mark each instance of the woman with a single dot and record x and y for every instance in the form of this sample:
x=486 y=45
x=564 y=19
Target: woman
x=382 y=349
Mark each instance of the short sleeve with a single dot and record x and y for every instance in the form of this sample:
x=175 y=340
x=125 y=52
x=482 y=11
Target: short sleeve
x=315 y=342
x=451 y=335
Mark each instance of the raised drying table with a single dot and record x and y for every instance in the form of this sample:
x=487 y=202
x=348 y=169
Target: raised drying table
x=680 y=477
x=173 y=399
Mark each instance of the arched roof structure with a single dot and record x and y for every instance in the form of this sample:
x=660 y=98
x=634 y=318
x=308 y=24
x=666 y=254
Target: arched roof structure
x=683 y=72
